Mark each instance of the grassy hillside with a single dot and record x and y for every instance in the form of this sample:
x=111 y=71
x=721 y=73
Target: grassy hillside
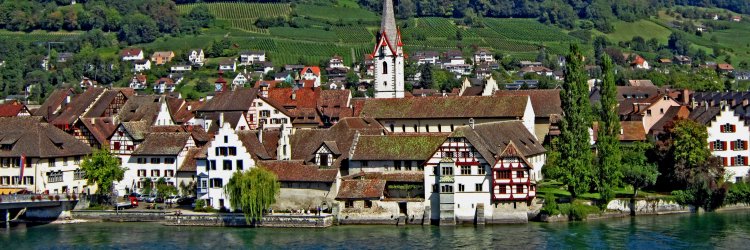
x=348 y=30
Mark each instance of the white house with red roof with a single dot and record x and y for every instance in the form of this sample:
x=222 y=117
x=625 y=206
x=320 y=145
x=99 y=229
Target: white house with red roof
x=388 y=57
x=311 y=73
x=131 y=54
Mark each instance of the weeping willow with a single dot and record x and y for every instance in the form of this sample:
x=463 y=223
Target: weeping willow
x=252 y=192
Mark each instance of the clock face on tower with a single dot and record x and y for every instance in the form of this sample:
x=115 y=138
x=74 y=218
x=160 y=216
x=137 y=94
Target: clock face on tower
x=219 y=87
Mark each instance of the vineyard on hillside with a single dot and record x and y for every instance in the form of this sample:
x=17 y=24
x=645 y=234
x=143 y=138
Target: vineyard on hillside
x=241 y=15
x=39 y=36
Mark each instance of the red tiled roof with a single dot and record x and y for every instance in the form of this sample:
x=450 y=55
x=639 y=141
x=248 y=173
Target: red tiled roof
x=53 y=102
x=11 y=108
x=77 y=107
x=271 y=83
x=101 y=128
x=190 y=162
x=546 y=102
x=632 y=131
x=290 y=98
x=725 y=66
x=296 y=171
x=130 y=52
x=638 y=60
x=314 y=69
x=335 y=103
x=361 y=189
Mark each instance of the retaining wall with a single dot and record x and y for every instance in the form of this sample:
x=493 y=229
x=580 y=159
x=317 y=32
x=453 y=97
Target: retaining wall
x=119 y=216
x=238 y=220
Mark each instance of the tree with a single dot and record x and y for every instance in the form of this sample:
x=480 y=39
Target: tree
x=575 y=157
x=148 y=186
x=636 y=170
x=689 y=165
x=138 y=28
x=103 y=169
x=253 y=192
x=679 y=43
x=201 y=15
x=608 y=144
x=163 y=189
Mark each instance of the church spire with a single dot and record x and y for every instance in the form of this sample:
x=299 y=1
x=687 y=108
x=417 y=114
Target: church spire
x=388 y=24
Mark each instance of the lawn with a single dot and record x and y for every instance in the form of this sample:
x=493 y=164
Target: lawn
x=556 y=188
x=625 y=31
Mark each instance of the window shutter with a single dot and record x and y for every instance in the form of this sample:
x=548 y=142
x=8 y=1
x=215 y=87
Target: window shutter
x=725 y=161
x=732 y=145
x=734 y=128
x=744 y=159
x=723 y=145
x=734 y=161
x=711 y=145
x=721 y=128
x=744 y=145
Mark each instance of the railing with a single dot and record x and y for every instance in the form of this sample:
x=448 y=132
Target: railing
x=15 y=198
x=446 y=179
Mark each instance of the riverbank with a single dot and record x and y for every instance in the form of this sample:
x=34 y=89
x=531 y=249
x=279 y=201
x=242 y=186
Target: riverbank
x=725 y=229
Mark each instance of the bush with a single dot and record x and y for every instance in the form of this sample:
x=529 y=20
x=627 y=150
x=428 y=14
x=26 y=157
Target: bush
x=550 y=205
x=576 y=210
x=738 y=193
x=200 y=206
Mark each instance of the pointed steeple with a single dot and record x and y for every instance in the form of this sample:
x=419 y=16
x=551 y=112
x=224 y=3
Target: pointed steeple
x=388 y=24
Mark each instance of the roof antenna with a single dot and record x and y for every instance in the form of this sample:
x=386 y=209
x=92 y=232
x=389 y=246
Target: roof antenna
x=471 y=123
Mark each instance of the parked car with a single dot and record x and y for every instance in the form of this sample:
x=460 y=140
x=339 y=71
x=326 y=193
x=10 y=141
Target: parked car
x=158 y=200
x=185 y=200
x=172 y=199
x=142 y=197
x=150 y=198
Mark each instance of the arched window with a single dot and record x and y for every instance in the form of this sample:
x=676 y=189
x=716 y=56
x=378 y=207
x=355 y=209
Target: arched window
x=385 y=68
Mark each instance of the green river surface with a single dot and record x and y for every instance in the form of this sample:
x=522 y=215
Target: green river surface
x=720 y=230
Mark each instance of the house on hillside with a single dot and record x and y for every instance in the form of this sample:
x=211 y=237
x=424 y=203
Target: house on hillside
x=639 y=63
x=250 y=57
x=728 y=134
x=131 y=54
x=138 y=82
x=164 y=85
x=311 y=73
x=483 y=55
x=196 y=57
x=162 y=57
x=228 y=65
x=426 y=57
x=141 y=65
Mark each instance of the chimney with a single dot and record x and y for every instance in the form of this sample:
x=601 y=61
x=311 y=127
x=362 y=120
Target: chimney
x=260 y=135
x=622 y=131
x=67 y=99
x=471 y=123
x=189 y=107
x=93 y=121
x=221 y=120
x=294 y=95
x=685 y=96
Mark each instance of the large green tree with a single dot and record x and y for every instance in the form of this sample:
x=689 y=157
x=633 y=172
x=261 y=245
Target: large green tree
x=253 y=192
x=575 y=164
x=103 y=169
x=608 y=144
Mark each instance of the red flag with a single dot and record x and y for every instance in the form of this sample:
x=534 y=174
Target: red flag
x=23 y=165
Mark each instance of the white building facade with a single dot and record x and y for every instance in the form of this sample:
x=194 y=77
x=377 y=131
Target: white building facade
x=389 y=57
x=728 y=137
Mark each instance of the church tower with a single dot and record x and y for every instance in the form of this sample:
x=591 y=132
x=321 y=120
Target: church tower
x=389 y=57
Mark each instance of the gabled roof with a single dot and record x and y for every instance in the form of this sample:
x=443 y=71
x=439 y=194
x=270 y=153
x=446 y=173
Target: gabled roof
x=672 y=114
x=312 y=69
x=446 y=107
x=704 y=115
x=140 y=108
x=306 y=142
x=361 y=189
x=335 y=103
x=97 y=109
x=130 y=52
x=546 y=102
x=163 y=54
x=490 y=138
x=162 y=144
x=632 y=131
x=136 y=129
x=396 y=147
x=249 y=139
x=240 y=99
x=511 y=151
x=101 y=128
x=190 y=162
x=31 y=137
x=11 y=108
x=53 y=102
x=77 y=107
x=296 y=171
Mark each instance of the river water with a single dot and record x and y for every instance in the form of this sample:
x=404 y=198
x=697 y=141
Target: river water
x=724 y=230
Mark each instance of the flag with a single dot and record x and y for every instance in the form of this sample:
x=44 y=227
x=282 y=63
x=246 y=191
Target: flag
x=23 y=165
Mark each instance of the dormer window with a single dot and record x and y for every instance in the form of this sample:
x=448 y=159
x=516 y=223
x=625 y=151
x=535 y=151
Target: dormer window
x=728 y=128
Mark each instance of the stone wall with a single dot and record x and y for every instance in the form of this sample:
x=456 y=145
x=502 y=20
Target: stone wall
x=508 y=213
x=302 y=198
x=50 y=213
x=119 y=216
x=238 y=220
x=382 y=213
x=644 y=207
